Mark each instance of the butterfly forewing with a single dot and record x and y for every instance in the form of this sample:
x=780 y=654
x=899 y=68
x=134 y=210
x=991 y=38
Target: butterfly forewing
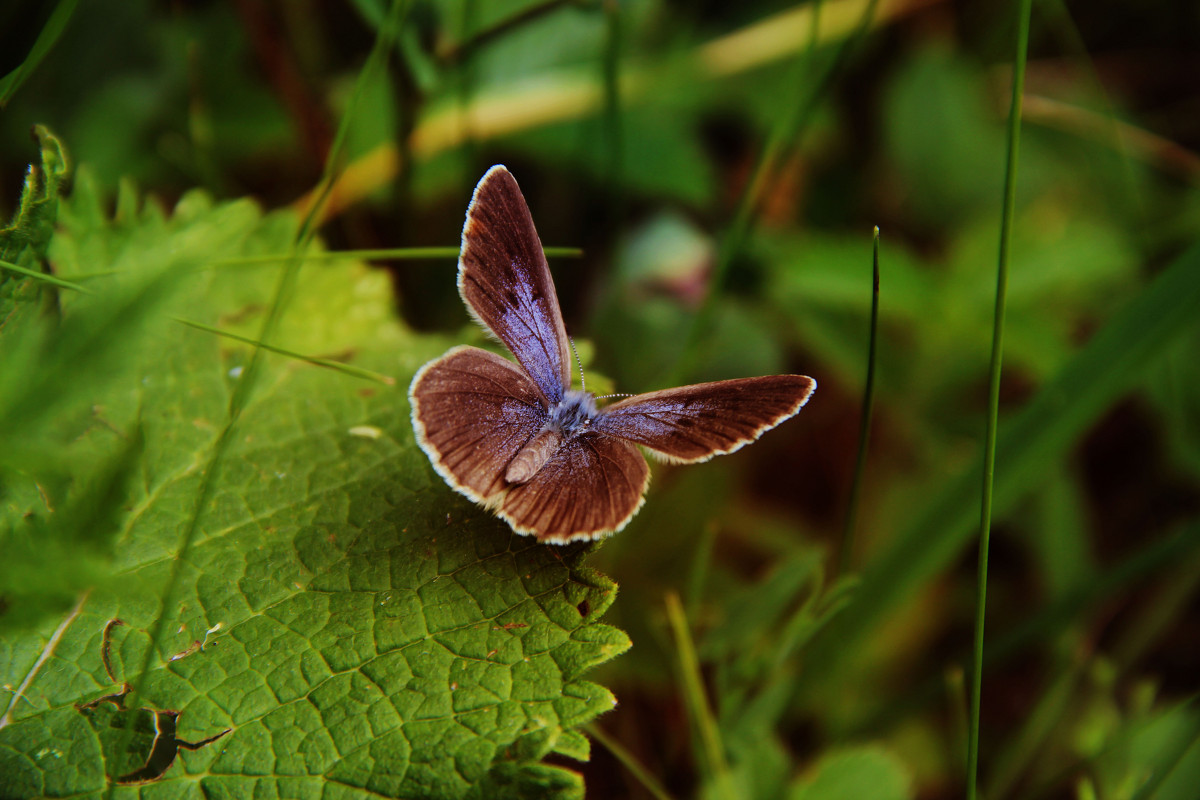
x=694 y=423
x=592 y=486
x=472 y=411
x=505 y=282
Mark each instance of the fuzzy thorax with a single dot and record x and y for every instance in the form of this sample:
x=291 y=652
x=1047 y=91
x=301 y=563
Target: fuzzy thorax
x=567 y=418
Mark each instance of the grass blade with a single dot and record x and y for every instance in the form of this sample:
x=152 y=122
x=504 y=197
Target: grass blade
x=387 y=254
x=44 y=277
x=697 y=702
x=864 y=425
x=340 y=366
x=994 y=370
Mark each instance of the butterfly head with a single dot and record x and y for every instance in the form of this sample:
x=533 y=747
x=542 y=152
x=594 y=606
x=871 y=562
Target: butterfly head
x=574 y=413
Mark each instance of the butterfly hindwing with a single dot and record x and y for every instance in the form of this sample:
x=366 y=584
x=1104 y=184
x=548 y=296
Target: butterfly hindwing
x=590 y=487
x=695 y=423
x=472 y=411
x=505 y=282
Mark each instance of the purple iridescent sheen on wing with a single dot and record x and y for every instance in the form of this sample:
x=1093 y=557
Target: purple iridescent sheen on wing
x=505 y=282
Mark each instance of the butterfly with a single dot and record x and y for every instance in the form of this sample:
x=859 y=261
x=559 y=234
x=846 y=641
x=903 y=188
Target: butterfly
x=515 y=437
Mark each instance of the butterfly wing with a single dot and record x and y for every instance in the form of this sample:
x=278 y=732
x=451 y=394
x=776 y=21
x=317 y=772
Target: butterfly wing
x=590 y=487
x=505 y=282
x=695 y=423
x=472 y=411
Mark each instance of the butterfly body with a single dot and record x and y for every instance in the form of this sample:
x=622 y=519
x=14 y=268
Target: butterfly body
x=516 y=437
x=575 y=412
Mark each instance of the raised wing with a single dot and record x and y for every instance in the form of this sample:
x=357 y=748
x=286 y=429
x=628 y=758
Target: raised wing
x=505 y=282
x=590 y=487
x=695 y=423
x=472 y=411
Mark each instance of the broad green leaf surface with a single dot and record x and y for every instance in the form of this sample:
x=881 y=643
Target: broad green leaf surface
x=348 y=626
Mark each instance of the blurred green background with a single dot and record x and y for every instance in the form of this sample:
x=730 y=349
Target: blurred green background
x=634 y=129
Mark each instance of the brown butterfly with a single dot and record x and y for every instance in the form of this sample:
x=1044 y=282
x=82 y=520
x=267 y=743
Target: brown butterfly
x=518 y=438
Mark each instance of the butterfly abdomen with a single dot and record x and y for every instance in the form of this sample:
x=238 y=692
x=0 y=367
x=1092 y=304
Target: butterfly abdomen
x=565 y=419
x=533 y=456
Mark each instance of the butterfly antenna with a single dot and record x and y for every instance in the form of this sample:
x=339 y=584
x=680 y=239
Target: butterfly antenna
x=582 y=384
x=606 y=396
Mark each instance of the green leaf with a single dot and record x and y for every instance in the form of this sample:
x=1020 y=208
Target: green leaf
x=346 y=622
x=861 y=772
x=26 y=236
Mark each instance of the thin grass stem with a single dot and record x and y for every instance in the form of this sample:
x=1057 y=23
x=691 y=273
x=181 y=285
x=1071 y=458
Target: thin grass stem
x=387 y=254
x=994 y=369
x=340 y=366
x=864 y=423
x=44 y=278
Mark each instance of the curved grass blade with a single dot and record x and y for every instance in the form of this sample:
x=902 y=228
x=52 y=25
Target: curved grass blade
x=49 y=34
x=864 y=425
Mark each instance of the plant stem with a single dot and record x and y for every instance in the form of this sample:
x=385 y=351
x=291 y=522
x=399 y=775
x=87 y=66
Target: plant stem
x=864 y=424
x=44 y=277
x=989 y=451
x=386 y=254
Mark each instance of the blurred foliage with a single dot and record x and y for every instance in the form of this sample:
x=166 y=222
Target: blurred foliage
x=634 y=128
